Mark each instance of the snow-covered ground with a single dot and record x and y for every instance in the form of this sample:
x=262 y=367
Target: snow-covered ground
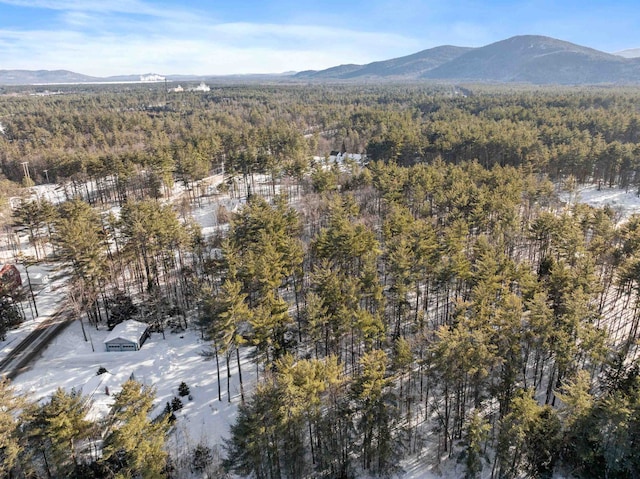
x=48 y=298
x=71 y=363
x=625 y=201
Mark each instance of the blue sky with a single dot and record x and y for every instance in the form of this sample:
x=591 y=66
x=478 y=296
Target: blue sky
x=112 y=37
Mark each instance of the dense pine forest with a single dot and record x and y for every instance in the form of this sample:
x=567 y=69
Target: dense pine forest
x=430 y=298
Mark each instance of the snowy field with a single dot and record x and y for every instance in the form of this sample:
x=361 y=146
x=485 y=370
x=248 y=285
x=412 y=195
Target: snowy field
x=71 y=363
x=625 y=202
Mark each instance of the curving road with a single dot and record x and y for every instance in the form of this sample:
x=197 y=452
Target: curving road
x=18 y=359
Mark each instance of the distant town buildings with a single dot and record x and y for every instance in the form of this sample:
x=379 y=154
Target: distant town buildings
x=152 y=77
x=202 y=87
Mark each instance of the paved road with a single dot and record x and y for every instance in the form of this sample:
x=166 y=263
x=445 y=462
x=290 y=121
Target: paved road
x=18 y=359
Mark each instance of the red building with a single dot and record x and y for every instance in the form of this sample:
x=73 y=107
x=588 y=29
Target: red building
x=10 y=279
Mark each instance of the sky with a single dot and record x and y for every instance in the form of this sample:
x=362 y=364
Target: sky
x=220 y=37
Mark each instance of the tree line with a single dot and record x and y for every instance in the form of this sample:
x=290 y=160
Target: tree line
x=138 y=141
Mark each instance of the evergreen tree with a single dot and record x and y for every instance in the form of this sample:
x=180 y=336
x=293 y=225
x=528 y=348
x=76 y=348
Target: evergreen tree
x=81 y=243
x=529 y=439
x=10 y=316
x=269 y=324
x=56 y=427
x=176 y=404
x=377 y=415
x=254 y=445
x=135 y=444
x=80 y=239
x=11 y=404
x=183 y=389
x=476 y=435
x=229 y=315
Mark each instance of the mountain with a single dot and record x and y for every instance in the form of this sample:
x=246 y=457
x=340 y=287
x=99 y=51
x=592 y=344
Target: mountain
x=539 y=60
x=31 y=77
x=523 y=59
x=630 y=53
x=53 y=77
x=57 y=77
x=404 y=67
x=330 y=73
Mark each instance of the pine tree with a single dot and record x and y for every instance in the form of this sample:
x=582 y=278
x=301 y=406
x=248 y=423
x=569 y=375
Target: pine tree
x=35 y=216
x=10 y=316
x=80 y=239
x=135 y=444
x=254 y=445
x=376 y=420
x=401 y=360
x=183 y=389
x=11 y=404
x=81 y=243
x=476 y=434
x=57 y=426
x=228 y=316
x=303 y=385
x=176 y=404
x=269 y=323
x=529 y=438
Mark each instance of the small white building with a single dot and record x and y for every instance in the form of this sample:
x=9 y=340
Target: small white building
x=202 y=87
x=129 y=335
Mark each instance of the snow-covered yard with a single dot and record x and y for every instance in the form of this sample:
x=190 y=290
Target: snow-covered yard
x=71 y=363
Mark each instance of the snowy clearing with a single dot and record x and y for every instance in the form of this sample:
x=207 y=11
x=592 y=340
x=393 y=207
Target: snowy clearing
x=624 y=201
x=69 y=362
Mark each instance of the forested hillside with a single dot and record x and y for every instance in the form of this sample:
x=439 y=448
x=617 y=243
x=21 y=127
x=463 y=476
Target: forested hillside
x=436 y=300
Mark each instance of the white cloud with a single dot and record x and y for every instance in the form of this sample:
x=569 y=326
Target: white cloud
x=101 y=6
x=200 y=47
x=309 y=36
x=100 y=37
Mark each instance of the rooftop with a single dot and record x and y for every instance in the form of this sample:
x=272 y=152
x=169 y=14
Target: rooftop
x=130 y=330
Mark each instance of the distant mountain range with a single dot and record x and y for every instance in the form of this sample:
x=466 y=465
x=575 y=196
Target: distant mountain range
x=31 y=77
x=60 y=77
x=53 y=77
x=521 y=59
x=411 y=65
x=630 y=53
x=524 y=59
